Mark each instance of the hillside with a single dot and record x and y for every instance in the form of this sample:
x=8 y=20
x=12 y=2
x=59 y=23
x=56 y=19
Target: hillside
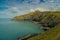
x=52 y=34
x=27 y=16
x=45 y=19
x=36 y=15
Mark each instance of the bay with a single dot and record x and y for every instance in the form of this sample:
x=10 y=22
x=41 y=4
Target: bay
x=11 y=30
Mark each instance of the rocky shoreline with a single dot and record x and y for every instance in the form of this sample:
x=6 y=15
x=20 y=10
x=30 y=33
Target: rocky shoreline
x=41 y=27
x=32 y=35
x=28 y=36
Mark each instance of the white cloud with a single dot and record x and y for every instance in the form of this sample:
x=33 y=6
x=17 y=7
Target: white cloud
x=15 y=9
x=40 y=9
x=32 y=10
x=50 y=0
x=36 y=2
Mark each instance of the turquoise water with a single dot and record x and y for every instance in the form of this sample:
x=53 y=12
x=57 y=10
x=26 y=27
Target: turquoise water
x=11 y=30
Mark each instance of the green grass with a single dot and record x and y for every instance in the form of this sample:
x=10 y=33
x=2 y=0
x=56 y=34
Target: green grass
x=52 y=34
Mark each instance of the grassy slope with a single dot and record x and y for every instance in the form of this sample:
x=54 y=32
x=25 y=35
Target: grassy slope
x=27 y=16
x=52 y=34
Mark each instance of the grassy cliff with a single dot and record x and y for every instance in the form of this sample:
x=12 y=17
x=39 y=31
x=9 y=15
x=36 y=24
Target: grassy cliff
x=45 y=19
x=37 y=15
x=27 y=16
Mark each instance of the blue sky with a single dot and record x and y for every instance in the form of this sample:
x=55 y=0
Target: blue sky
x=12 y=8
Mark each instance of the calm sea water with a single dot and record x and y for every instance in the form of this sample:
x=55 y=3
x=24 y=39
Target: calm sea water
x=11 y=30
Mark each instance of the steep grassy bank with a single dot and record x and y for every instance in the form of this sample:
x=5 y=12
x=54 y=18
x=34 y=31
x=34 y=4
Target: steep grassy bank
x=51 y=34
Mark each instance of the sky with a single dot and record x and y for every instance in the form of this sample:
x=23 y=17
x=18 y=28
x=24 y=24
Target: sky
x=12 y=8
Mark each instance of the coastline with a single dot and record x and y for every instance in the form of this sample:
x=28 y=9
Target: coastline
x=26 y=37
x=32 y=35
x=41 y=27
x=44 y=20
